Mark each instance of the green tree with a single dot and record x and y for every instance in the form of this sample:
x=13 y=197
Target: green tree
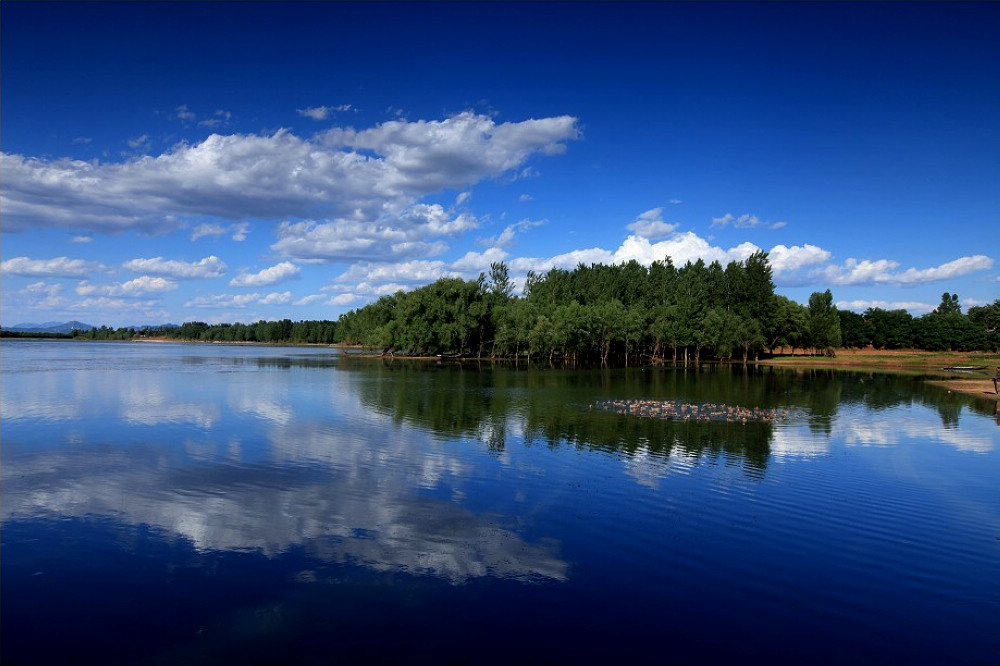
x=824 y=323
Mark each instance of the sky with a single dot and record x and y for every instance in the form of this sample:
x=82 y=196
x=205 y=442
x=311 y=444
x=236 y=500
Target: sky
x=172 y=162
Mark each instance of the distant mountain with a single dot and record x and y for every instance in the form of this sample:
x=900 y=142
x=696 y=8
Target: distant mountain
x=50 y=327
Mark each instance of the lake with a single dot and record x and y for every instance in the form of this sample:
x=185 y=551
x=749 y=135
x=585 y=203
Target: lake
x=202 y=503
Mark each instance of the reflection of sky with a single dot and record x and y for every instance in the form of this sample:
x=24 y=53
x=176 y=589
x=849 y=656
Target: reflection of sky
x=253 y=461
x=857 y=425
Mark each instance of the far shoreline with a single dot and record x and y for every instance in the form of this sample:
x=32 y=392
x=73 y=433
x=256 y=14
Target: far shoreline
x=976 y=382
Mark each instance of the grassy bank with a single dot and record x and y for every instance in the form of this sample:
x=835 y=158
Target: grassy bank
x=910 y=361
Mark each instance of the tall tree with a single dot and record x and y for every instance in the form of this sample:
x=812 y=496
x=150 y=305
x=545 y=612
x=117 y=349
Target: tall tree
x=824 y=323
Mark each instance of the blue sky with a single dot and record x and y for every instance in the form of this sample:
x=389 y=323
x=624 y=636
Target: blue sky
x=241 y=161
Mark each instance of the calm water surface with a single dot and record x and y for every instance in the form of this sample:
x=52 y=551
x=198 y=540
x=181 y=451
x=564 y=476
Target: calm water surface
x=169 y=503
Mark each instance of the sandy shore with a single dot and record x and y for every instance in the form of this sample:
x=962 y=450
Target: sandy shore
x=982 y=388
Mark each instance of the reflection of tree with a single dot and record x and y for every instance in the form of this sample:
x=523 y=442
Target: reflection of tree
x=552 y=405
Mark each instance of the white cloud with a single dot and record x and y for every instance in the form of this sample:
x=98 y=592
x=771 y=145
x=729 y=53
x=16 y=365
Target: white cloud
x=347 y=240
x=207 y=229
x=790 y=259
x=526 y=197
x=460 y=150
x=57 y=267
x=370 y=175
x=240 y=231
x=44 y=295
x=416 y=271
x=309 y=300
x=209 y=267
x=322 y=112
x=506 y=237
x=82 y=238
x=883 y=271
x=223 y=301
x=138 y=287
x=473 y=263
x=273 y=275
x=914 y=307
x=277 y=298
x=344 y=299
x=650 y=225
x=462 y=197
x=946 y=271
x=744 y=221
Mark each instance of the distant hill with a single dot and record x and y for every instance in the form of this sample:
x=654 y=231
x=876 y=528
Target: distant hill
x=50 y=327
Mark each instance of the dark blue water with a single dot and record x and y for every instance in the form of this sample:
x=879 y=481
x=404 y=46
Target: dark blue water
x=169 y=504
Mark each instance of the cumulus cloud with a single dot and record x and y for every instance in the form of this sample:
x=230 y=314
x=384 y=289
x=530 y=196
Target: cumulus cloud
x=82 y=238
x=370 y=175
x=138 y=287
x=348 y=240
x=223 y=301
x=790 y=259
x=344 y=299
x=309 y=300
x=276 y=298
x=946 y=271
x=209 y=267
x=273 y=275
x=44 y=295
x=883 y=271
x=914 y=307
x=473 y=263
x=680 y=247
x=57 y=267
x=416 y=271
x=239 y=300
x=651 y=225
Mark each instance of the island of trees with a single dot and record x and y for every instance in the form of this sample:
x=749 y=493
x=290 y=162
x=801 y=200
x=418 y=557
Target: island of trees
x=622 y=314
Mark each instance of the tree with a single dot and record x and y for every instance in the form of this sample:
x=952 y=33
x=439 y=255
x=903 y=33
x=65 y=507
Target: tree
x=853 y=331
x=824 y=323
x=949 y=304
x=500 y=283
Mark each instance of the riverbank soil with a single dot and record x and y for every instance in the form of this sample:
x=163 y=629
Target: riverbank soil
x=974 y=375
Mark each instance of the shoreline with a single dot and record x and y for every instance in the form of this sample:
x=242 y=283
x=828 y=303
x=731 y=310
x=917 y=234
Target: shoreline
x=977 y=383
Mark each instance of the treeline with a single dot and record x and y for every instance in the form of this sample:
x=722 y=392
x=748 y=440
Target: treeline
x=946 y=328
x=285 y=330
x=622 y=314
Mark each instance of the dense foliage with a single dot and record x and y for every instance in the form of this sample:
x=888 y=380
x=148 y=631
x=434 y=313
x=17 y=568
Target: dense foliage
x=619 y=314
x=623 y=313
